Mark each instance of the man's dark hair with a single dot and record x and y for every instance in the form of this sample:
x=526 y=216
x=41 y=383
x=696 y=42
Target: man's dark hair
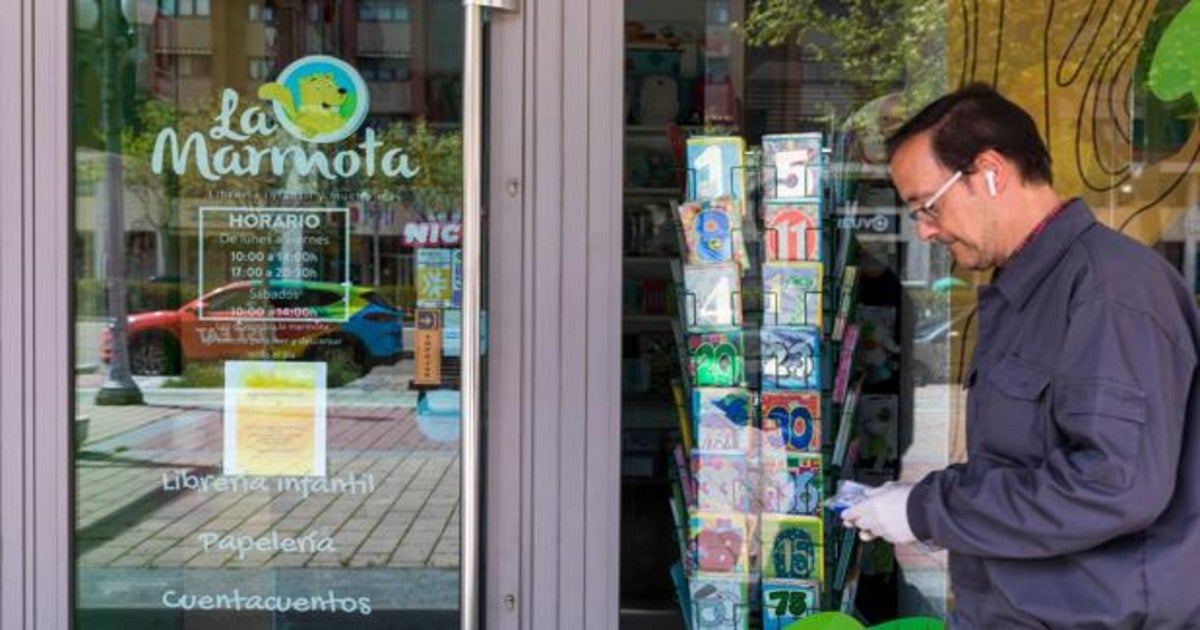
x=965 y=123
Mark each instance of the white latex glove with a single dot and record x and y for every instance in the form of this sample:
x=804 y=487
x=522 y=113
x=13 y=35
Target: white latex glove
x=884 y=514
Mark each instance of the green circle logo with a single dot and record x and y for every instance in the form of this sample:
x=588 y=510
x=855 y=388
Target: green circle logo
x=318 y=99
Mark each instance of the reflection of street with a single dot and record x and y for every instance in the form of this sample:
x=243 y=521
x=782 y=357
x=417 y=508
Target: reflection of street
x=936 y=409
x=87 y=342
x=151 y=498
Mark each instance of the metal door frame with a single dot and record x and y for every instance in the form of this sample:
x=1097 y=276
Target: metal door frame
x=551 y=448
x=554 y=205
x=35 y=312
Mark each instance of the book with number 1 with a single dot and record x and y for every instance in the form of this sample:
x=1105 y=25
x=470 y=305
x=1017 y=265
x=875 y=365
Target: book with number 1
x=716 y=168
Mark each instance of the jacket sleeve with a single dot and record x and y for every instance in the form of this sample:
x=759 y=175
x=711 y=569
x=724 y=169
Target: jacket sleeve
x=1119 y=395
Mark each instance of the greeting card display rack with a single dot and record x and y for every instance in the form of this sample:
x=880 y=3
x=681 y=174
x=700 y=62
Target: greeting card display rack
x=768 y=393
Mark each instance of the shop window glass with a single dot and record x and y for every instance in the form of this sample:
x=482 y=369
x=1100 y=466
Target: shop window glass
x=265 y=436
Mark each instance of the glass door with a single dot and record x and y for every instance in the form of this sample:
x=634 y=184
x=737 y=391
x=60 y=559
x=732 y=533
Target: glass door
x=272 y=400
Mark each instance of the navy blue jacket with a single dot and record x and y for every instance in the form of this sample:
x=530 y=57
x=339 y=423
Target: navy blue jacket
x=1077 y=506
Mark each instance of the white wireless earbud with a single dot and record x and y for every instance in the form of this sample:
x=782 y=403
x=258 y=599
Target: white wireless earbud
x=990 y=177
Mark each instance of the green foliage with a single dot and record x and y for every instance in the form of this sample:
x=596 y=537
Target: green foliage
x=199 y=374
x=402 y=297
x=877 y=44
x=91 y=300
x=340 y=369
x=437 y=156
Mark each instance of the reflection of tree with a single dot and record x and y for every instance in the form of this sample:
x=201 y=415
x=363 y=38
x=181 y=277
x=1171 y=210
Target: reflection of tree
x=876 y=44
x=1079 y=67
x=437 y=157
x=1080 y=80
x=1083 y=78
x=159 y=194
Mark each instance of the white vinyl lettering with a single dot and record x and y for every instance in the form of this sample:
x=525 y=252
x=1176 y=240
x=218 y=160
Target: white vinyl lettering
x=235 y=158
x=330 y=601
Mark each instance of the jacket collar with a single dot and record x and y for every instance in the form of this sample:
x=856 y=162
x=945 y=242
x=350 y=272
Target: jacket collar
x=1018 y=279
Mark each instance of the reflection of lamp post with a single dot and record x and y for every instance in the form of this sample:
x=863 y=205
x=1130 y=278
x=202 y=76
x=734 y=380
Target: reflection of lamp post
x=140 y=14
x=119 y=387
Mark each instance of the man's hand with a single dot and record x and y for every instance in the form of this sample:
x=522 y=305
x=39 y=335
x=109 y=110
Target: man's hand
x=884 y=514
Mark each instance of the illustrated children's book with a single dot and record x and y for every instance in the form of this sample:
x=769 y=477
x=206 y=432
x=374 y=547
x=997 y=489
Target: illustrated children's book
x=791 y=166
x=792 y=485
x=847 y=557
x=785 y=601
x=845 y=363
x=847 y=297
x=791 y=422
x=723 y=419
x=721 y=481
x=716 y=168
x=790 y=357
x=679 y=515
x=711 y=230
x=682 y=591
x=684 y=469
x=681 y=411
x=719 y=540
x=792 y=294
x=717 y=357
x=720 y=602
x=712 y=295
x=846 y=424
x=792 y=547
x=792 y=230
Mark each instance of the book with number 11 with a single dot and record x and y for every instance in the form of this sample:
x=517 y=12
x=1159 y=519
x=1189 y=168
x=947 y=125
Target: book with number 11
x=792 y=230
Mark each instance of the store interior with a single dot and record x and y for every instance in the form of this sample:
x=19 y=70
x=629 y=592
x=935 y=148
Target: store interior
x=689 y=74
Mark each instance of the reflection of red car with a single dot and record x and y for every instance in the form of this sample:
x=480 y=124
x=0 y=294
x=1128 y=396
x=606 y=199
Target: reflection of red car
x=352 y=327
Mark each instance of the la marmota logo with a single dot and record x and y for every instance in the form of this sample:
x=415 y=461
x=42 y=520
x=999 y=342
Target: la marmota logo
x=318 y=99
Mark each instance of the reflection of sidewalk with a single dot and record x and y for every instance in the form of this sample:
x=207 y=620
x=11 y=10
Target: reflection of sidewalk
x=382 y=386
x=141 y=504
x=937 y=407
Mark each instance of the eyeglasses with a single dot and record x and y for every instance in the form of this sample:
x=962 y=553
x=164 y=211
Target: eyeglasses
x=926 y=209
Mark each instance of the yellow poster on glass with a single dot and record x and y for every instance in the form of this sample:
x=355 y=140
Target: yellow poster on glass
x=274 y=423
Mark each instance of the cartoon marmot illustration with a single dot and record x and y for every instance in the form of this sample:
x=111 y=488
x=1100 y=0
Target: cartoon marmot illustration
x=319 y=108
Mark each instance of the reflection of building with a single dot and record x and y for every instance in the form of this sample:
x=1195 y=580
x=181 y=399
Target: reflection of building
x=381 y=233
x=200 y=46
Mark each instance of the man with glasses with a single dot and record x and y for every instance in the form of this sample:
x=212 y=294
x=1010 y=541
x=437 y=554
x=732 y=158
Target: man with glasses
x=1078 y=504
